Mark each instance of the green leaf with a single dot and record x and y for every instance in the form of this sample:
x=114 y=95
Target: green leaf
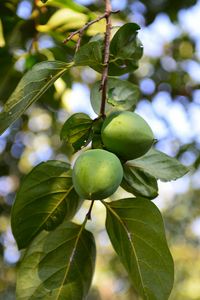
x=58 y=265
x=97 y=142
x=30 y=88
x=136 y=230
x=125 y=50
x=159 y=165
x=90 y=55
x=67 y=4
x=2 y=40
x=64 y=19
x=122 y=95
x=99 y=37
x=46 y=196
x=124 y=39
x=139 y=183
x=77 y=130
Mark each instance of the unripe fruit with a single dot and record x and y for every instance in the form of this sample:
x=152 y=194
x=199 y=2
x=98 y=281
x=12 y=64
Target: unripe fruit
x=127 y=135
x=97 y=174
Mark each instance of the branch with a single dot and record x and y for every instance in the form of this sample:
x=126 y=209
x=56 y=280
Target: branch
x=85 y=27
x=35 y=18
x=104 y=78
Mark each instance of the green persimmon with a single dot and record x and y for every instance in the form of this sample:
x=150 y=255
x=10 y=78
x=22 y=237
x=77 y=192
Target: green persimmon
x=97 y=174
x=126 y=134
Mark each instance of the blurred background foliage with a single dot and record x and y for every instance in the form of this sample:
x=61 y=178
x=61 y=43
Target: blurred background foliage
x=169 y=80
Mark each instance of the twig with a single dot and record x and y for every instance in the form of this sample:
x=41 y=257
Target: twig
x=78 y=44
x=35 y=15
x=87 y=25
x=104 y=78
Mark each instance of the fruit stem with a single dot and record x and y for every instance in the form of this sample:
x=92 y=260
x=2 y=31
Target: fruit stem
x=104 y=78
x=88 y=215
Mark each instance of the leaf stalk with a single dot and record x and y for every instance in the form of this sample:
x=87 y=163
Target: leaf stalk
x=88 y=215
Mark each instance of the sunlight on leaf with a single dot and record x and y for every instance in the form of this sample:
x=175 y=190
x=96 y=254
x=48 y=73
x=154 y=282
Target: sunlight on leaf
x=64 y=19
x=160 y=165
x=68 y=4
x=2 y=40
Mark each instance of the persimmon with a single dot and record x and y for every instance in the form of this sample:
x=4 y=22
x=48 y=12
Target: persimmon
x=97 y=174
x=126 y=134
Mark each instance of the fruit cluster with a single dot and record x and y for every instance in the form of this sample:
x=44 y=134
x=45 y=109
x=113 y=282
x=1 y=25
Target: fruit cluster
x=97 y=173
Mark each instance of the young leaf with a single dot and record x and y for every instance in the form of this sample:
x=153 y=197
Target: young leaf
x=59 y=22
x=136 y=230
x=68 y=4
x=122 y=95
x=58 y=265
x=125 y=50
x=77 y=130
x=139 y=183
x=159 y=165
x=30 y=88
x=90 y=55
x=46 y=196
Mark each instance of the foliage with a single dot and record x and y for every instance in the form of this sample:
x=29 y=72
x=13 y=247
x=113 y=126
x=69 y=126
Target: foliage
x=46 y=197
x=77 y=130
x=29 y=89
x=121 y=94
x=55 y=258
x=136 y=241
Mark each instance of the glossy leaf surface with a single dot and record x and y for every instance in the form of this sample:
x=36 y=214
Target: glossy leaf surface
x=64 y=19
x=58 y=265
x=136 y=230
x=90 y=55
x=46 y=196
x=77 y=130
x=139 y=183
x=125 y=50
